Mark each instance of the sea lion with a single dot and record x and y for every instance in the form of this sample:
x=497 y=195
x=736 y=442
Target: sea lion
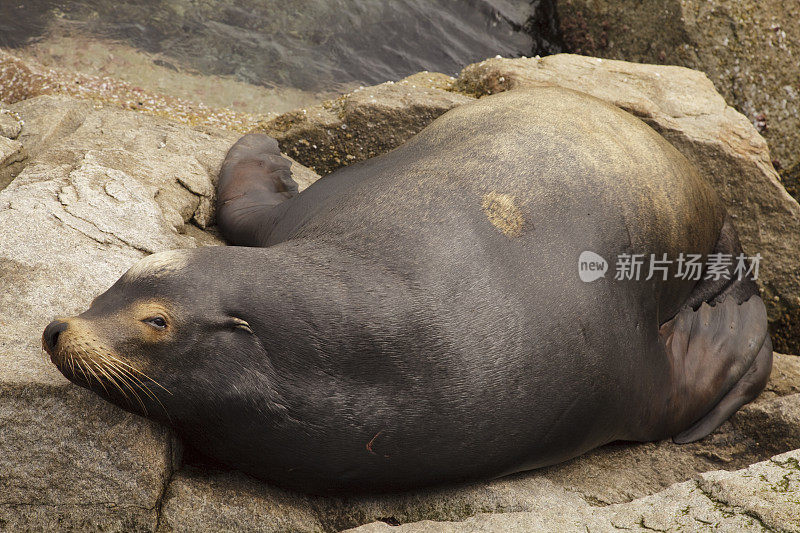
x=418 y=318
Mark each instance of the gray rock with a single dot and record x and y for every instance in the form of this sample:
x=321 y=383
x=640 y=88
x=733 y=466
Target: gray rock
x=102 y=188
x=680 y=508
x=47 y=120
x=364 y=123
x=548 y=520
x=684 y=107
x=10 y=124
x=762 y=497
x=551 y=509
x=748 y=48
x=11 y=156
x=768 y=492
x=71 y=462
x=201 y=500
x=192 y=504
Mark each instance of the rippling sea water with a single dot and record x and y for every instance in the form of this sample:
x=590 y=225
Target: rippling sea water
x=310 y=45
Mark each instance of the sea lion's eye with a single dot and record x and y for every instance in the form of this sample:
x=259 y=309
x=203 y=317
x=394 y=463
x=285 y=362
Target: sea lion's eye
x=157 y=322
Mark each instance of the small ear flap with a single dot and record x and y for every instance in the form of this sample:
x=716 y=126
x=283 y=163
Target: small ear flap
x=241 y=324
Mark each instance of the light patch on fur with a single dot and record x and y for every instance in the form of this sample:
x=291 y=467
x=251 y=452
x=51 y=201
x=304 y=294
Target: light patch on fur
x=158 y=264
x=503 y=213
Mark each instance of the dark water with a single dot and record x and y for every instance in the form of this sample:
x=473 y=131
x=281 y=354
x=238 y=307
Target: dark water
x=308 y=44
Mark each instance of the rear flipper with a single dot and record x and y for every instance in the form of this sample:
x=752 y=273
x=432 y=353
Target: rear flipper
x=721 y=358
x=255 y=178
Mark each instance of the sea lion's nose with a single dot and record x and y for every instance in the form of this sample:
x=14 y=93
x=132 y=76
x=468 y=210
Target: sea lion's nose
x=51 y=333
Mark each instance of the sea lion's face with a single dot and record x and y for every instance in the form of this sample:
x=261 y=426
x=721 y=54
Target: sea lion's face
x=155 y=342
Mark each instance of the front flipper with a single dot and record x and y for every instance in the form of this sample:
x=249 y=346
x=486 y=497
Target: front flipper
x=721 y=358
x=254 y=179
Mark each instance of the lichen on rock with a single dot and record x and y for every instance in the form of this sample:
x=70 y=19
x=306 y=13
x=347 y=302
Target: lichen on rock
x=749 y=49
x=364 y=123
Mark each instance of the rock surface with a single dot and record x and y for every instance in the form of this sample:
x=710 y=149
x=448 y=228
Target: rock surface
x=749 y=49
x=364 y=123
x=762 y=497
x=193 y=503
x=12 y=153
x=11 y=156
x=10 y=124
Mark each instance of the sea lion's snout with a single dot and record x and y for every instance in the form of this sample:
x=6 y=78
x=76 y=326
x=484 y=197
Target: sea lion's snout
x=83 y=349
x=51 y=334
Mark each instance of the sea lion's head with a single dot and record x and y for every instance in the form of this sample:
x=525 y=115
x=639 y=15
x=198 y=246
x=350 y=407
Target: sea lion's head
x=164 y=341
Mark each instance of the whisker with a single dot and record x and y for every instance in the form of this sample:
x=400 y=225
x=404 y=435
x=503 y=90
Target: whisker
x=125 y=381
x=71 y=363
x=122 y=381
x=89 y=363
x=108 y=370
x=134 y=369
x=101 y=367
x=128 y=374
x=118 y=385
x=106 y=358
x=79 y=363
x=129 y=385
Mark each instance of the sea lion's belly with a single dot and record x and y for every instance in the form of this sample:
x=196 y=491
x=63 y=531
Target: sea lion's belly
x=487 y=212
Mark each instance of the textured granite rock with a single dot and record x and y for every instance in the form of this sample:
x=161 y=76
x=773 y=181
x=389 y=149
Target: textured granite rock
x=364 y=123
x=762 y=497
x=193 y=503
x=12 y=154
x=10 y=124
x=749 y=49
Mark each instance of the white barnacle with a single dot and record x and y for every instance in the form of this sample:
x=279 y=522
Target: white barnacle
x=158 y=264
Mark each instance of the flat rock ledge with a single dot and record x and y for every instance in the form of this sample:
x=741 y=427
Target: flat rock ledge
x=87 y=189
x=762 y=497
